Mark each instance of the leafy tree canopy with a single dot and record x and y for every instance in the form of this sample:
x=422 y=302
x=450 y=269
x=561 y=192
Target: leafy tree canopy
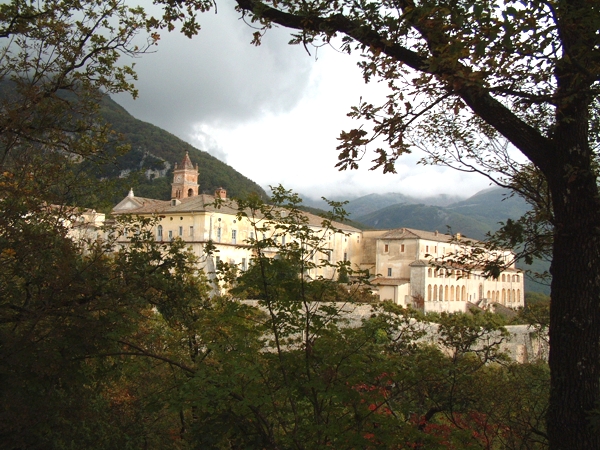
x=468 y=83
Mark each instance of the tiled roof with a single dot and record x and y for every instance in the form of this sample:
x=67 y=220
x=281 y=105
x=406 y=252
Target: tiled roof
x=186 y=163
x=411 y=233
x=140 y=205
x=317 y=221
x=383 y=281
x=419 y=263
x=199 y=203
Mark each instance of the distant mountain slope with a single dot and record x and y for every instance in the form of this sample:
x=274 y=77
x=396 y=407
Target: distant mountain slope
x=424 y=217
x=152 y=146
x=362 y=206
x=491 y=206
x=473 y=217
x=325 y=214
x=368 y=204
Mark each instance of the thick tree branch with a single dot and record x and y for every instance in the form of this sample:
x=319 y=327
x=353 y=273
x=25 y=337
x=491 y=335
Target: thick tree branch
x=523 y=136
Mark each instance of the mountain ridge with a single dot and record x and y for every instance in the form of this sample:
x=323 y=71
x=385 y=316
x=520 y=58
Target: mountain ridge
x=154 y=151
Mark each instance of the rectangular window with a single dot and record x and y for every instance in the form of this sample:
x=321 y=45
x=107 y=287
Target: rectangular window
x=180 y=231
x=217 y=260
x=191 y=231
x=329 y=256
x=389 y=271
x=386 y=248
x=233 y=236
x=244 y=264
x=283 y=240
x=402 y=248
x=252 y=235
x=345 y=256
x=219 y=234
x=170 y=234
x=427 y=249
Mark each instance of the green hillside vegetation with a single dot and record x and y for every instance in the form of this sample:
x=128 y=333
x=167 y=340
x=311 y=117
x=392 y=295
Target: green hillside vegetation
x=150 y=148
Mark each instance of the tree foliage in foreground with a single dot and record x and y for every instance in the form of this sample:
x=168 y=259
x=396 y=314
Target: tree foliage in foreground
x=471 y=83
x=105 y=346
x=297 y=374
x=127 y=350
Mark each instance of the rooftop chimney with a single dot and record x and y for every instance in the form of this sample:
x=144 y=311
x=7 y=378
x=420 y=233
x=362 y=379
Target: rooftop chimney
x=221 y=193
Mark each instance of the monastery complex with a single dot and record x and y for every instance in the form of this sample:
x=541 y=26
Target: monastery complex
x=401 y=261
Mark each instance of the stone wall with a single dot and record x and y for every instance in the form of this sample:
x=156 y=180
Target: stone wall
x=524 y=344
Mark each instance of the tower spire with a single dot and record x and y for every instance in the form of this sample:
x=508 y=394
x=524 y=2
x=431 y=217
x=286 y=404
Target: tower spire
x=185 y=179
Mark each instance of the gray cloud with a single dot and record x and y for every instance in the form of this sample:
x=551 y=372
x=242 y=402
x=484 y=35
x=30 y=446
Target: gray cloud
x=271 y=112
x=218 y=78
x=208 y=143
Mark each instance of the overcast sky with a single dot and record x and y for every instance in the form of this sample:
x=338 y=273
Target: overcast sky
x=272 y=112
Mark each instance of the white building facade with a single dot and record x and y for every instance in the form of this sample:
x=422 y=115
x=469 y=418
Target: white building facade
x=406 y=266
x=417 y=268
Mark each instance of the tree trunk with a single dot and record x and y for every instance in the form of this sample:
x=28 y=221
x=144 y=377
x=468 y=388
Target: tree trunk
x=575 y=306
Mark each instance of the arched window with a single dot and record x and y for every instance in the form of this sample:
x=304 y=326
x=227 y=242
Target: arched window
x=463 y=294
x=519 y=295
x=441 y=291
x=489 y=295
x=504 y=296
x=159 y=232
x=429 y=271
x=446 y=293
x=434 y=293
x=190 y=192
x=429 y=292
x=503 y=277
x=451 y=293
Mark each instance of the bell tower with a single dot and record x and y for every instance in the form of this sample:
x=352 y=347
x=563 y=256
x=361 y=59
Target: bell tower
x=185 y=179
